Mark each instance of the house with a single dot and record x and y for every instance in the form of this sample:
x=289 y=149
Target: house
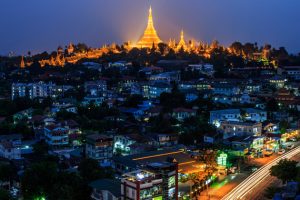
x=257 y=115
x=56 y=136
x=247 y=114
x=172 y=76
x=292 y=72
x=106 y=189
x=100 y=148
x=246 y=143
x=97 y=100
x=10 y=146
x=182 y=113
x=148 y=71
x=234 y=128
x=164 y=140
x=207 y=69
x=96 y=88
x=217 y=116
x=137 y=113
x=252 y=88
x=155 y=89
x=122 y=143
x=278 y=81
x=225 y=88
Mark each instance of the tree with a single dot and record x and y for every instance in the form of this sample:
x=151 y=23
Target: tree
x=38 y=179
x=44 y=180
x=41 y=148
x=90 y=170
x=4 y=194
x=271 y=191
x=272 y=105
x=285 y=170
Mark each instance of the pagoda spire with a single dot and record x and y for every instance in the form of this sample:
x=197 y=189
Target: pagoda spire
x=22 y=64
x=181 y=43
x=150 y=36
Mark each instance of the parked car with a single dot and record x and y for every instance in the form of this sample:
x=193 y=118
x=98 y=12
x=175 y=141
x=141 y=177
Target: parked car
x=293 y=139
x=281 y=151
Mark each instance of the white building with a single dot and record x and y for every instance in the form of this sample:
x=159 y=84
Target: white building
x=100 y=148
x=34 y=90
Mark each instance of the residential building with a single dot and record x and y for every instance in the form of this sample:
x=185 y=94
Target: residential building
x=37 y=90
x=10 y=146
x=225 y=88
x=96 y=88
x=234 y=128
x=247 y=114
x=182 y=113
x=56 y=136
x=100 y=148
x=291 y=71
x=173 y=76
x=155 y=89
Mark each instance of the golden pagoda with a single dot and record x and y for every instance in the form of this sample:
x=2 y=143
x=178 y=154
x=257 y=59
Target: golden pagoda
x=22 y=64
x=181 y=43
x=150 y=36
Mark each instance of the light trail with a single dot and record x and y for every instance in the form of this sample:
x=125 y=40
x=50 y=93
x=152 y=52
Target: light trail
x=257 y=177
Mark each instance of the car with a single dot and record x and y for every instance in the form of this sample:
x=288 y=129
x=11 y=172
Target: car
x=293 y=139
x=290 y=146
x=281 y=151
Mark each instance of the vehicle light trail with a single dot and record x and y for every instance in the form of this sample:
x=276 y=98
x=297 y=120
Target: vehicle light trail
x=257 y=177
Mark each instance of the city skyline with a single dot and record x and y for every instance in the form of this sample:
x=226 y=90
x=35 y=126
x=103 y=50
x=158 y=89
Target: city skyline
x=43 y=30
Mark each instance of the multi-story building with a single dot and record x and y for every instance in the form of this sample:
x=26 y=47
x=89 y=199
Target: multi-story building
x=154 y=89
x=291 y=71
x=56 y=136
x=96 y=88
x=234 y=128
x=100 y=148
x=37 y=90
x=157 y=181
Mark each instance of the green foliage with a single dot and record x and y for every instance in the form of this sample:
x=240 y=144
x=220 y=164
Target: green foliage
x=271 y=191
x=172 y=100
x=272 y=105
x=44 y=179
x=194 y=128
x=133 y=100
x=4 y=194
x=285 y=170
x=40 y=148
x=90 y=170
x=283 y=125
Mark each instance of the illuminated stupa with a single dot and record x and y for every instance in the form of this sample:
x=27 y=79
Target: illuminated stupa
x=181 y=43
x=150 y=36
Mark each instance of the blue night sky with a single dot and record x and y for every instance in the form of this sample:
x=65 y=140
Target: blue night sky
x=39 y=25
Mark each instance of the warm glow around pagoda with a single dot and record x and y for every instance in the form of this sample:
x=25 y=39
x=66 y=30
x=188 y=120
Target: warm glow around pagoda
x=150 y=36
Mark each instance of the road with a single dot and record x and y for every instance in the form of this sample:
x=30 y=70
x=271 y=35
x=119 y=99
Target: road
x=257 y=193
x=246 y=187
